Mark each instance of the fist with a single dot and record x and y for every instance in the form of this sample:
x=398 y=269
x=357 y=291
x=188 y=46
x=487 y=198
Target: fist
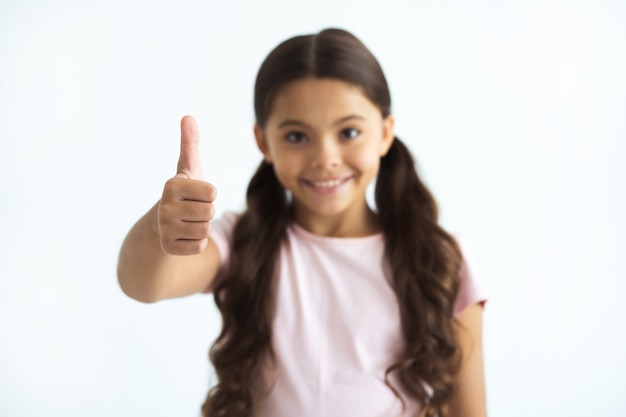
x=186 y=206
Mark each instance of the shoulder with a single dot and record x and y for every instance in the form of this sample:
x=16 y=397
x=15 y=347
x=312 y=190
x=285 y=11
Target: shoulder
x=221 y=233
x=226 y=221
x=222 y=227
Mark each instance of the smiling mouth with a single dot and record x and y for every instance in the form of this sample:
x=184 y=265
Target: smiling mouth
x=327 y=183
x=327 y=186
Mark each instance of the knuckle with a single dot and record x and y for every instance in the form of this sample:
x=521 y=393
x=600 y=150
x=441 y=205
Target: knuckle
x=211 y=192
x=207 y=210
x=204 y=229
x=196 y=246
x=171 y=184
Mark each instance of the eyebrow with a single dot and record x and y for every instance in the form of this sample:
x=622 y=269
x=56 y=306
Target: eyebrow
x=290 y=122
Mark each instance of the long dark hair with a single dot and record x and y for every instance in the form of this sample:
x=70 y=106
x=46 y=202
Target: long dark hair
x=425 y=260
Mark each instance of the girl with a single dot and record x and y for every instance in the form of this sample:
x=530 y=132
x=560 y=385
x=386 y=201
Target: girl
x=329 y=307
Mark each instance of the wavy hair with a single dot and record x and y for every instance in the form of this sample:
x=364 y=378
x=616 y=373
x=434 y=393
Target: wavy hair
x=425 y=260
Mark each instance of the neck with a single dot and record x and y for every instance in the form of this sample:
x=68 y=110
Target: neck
x=362 y=223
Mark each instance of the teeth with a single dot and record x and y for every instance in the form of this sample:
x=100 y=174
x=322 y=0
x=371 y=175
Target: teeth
x=326 y=184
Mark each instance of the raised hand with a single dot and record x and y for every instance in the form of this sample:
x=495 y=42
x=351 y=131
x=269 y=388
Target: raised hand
x=186 y=208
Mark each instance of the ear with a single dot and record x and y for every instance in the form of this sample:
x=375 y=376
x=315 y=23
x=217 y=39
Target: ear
x=388 y=135
x=261 y=143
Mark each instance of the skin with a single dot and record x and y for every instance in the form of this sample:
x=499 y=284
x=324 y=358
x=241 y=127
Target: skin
x=469 y=397
x=308 y=138
x=320 y=130
x=168 y=252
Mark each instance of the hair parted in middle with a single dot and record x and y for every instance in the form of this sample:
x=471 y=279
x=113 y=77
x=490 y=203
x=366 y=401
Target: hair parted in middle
x=424 y=259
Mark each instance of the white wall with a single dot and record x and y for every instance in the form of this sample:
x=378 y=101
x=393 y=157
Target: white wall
x=514 y=110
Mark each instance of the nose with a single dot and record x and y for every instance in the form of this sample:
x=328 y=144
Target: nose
x=327 y=154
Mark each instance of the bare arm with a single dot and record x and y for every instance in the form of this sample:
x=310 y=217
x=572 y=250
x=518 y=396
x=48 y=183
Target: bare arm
x=168 y=252
x=469 y=398
x=148 y=274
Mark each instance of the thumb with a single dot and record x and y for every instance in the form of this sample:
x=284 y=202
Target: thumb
x=189 y=160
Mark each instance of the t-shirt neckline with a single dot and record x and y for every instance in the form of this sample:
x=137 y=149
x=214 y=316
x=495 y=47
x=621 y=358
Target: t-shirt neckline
x=301 y=231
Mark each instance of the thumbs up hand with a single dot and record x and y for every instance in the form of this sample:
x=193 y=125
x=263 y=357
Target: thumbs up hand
x=186 y=208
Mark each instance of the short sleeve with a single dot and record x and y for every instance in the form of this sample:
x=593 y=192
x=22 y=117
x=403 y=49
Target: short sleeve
x=221 y=235
x=471 y=290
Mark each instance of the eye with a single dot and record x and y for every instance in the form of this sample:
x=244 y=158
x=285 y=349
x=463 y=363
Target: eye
x=350 y=133
x=295 y=137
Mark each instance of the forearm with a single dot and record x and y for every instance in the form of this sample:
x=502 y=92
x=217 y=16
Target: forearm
x=144 y=270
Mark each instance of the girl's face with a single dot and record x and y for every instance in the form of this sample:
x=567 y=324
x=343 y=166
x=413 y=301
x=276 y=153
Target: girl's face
x=325 y=139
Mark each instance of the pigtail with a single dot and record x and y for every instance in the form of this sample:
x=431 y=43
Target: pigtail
x=245 y=299
x=425 y=261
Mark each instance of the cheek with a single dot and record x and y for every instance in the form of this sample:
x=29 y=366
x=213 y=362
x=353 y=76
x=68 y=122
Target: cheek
x=285 y=163
x=367 y=161
x=286 y=169
x=283 y=179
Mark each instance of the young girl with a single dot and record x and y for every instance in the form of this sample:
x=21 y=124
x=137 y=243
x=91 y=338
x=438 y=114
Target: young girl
x=329 y=307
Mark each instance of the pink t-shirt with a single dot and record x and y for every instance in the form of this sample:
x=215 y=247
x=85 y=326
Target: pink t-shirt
x=337 y=325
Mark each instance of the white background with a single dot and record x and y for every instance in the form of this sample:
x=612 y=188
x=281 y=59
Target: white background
x=515 y=111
